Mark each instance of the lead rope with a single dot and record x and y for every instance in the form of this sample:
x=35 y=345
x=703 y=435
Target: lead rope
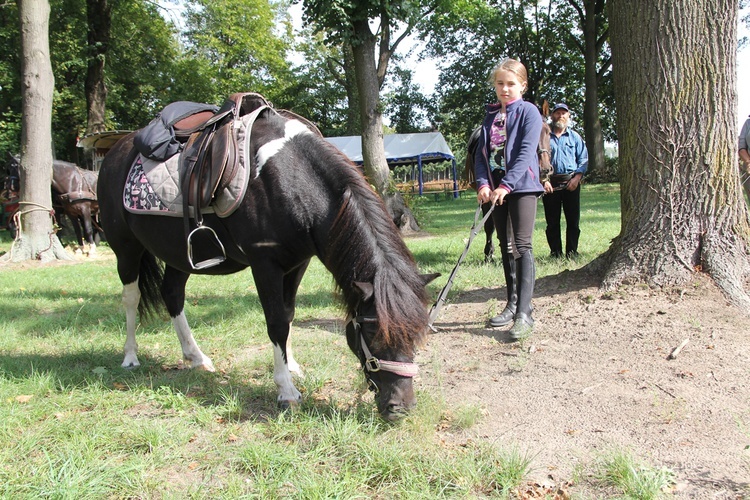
x=444 y=292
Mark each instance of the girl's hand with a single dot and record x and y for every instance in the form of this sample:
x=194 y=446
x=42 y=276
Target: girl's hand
x=483 y=195
x=548 y=187
x=498 y=196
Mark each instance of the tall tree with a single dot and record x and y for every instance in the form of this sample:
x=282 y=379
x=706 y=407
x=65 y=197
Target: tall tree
x=36 y=239
x=10 y=80
x=406 y=106
x=370 y=28
x=592 y=21
x=323 y=90
x=240 y=52
x=674 y=64
x=99 y=16
x=471 y=37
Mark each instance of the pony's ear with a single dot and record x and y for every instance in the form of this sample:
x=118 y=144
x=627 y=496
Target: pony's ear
x=545 y=108
x=365 y=290
x=427 y=278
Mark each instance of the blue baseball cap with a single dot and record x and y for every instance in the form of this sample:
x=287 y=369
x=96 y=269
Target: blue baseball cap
x=560 y=105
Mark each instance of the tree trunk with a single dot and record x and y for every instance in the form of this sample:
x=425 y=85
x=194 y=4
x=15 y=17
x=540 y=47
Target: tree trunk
x=373 y=152
x=99 y=16
x=674 y=64
x=592 y=125
x=36 y=240
x=353 y=125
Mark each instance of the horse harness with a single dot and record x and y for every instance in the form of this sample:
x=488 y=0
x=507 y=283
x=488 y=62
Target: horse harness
x=85 y=193
x=371 y=364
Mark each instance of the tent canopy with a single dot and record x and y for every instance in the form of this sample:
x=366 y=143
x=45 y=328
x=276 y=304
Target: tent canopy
x=400 y=149
x=403 y=149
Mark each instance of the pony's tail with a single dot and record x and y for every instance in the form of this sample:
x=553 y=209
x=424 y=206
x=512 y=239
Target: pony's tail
x=150 y=278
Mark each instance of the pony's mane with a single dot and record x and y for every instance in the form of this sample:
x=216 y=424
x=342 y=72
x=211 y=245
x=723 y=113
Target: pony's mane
x=365 y=245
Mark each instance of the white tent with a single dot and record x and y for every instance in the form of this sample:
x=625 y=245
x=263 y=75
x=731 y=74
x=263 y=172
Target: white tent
x=404 y=149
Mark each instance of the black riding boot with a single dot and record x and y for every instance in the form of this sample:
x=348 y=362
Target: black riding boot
x=506 y=317
x=523 y=324
x=554 y=241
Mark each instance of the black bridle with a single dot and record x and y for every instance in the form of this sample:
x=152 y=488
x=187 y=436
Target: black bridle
x=370 y=363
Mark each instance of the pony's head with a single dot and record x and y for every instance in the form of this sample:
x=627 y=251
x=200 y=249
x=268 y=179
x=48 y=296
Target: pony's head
x=388 y=366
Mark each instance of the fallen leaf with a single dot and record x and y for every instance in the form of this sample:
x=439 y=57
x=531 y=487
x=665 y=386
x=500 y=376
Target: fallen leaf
x=119 y=386
x=24 y=398
x=193 y=465
x=99 y=370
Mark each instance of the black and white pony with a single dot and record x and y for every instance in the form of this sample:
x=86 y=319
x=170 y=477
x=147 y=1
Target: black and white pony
x=303 y=199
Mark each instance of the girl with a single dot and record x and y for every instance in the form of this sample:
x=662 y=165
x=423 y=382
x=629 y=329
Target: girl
x=507 y=174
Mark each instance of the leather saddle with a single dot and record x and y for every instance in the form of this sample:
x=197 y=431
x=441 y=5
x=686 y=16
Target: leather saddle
x=209 y=160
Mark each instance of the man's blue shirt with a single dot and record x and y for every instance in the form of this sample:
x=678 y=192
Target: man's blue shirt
x=569 y=154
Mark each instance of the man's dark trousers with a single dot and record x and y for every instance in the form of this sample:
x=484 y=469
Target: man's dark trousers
x=554 y=204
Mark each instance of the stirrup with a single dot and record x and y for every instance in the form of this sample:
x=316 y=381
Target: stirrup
x=204 y=264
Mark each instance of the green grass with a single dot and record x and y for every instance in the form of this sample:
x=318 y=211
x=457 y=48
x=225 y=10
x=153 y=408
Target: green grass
x=73 y=424
x=449 y=222
x=632 y=477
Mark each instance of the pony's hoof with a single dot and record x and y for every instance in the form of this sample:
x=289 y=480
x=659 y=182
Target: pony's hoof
x=289 y=404
x=205 y=366
x=130 y=362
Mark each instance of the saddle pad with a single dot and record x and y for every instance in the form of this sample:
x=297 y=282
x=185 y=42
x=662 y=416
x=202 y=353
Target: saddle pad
x=154 y=188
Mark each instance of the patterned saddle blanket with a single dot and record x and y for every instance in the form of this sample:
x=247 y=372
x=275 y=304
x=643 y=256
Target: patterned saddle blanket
x=154 y=187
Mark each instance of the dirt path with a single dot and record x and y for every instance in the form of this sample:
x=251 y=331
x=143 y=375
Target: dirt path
x=595 y=377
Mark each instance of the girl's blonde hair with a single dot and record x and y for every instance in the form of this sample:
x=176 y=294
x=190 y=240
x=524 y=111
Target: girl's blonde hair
x=515 y=67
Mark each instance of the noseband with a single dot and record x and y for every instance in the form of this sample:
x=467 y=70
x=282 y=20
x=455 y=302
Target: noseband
x=373 y=364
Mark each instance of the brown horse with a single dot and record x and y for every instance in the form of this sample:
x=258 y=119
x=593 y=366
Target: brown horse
x=74 y=195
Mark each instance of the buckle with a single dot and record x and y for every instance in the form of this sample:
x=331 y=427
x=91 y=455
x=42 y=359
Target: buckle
x=372 y=364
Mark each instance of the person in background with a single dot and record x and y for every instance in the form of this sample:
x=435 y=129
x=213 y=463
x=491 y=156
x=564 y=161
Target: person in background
x=743 y=144
x=507 y=174
x=570 y=159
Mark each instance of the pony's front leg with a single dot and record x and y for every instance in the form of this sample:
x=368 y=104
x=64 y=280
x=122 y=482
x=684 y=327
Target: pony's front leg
x=282 y=377
x=173 y=292
x=277 y=292
x=131 y=296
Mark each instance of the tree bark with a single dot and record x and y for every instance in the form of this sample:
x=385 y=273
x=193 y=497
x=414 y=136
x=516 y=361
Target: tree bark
x=674 y=64
x=592 y=125
x=590 y=20
x=353 y=124
x=99 y=16
x=36 y=239
x=373 y=152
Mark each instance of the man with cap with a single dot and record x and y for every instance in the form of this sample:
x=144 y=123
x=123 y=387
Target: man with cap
x=570 y=160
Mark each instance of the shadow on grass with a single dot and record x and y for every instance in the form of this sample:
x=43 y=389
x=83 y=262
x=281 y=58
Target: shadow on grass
x=84 y=310
x=244 y=393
